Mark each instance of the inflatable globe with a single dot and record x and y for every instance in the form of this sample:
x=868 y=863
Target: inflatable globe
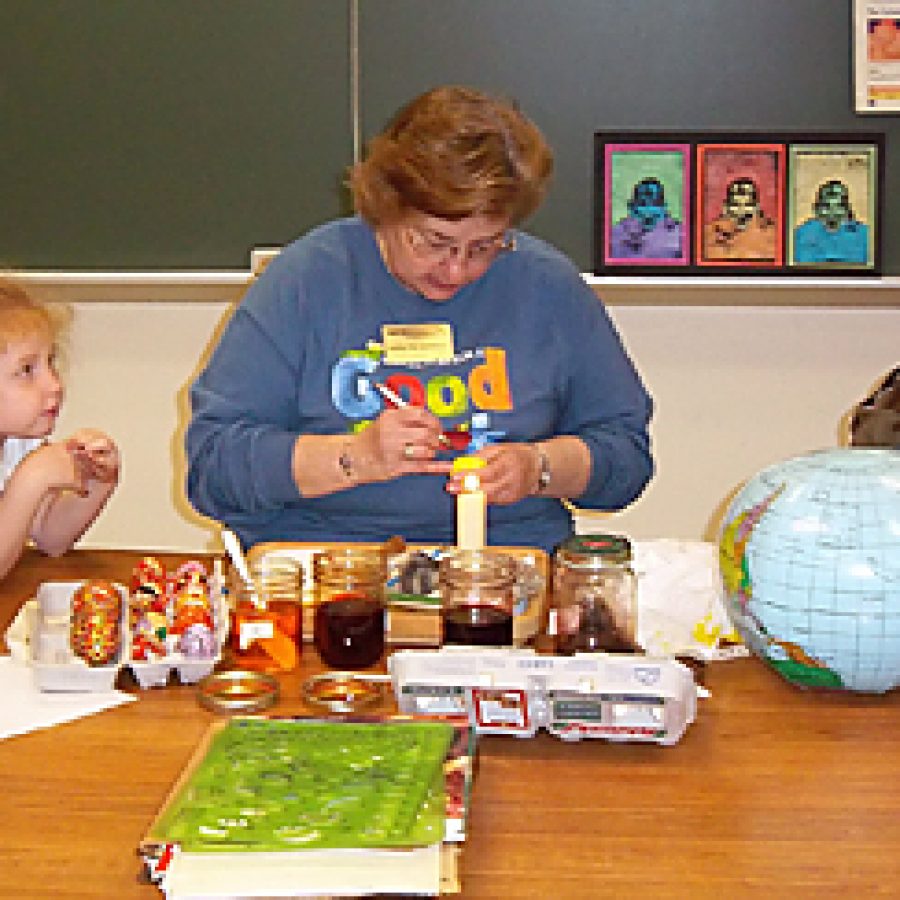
x=809 y=556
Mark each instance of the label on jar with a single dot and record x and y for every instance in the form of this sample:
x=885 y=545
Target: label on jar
x=254 y=631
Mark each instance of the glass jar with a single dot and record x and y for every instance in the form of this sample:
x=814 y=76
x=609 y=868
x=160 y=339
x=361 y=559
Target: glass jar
x=266 y=633
x=477 y=597
x=350 y=609
x=595 y=594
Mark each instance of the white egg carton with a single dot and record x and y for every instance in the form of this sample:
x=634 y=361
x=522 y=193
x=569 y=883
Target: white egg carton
x=156 y=673
x=56 y=667
x=188 y=669
x=45 y=624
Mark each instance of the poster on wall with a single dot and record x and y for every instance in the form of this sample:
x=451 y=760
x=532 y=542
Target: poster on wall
x=738 y=203
x=645 y=207
x=876 y=56
x=739 y=189
x=833 y=206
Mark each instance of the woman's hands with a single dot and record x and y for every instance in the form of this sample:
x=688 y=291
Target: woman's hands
x=400 y=441
x=406 y=441
x=510 y=474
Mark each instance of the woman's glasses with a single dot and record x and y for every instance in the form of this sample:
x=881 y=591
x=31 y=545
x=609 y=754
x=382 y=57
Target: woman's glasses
x=438 y=250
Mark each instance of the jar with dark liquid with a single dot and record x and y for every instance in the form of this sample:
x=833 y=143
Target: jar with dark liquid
x=350 y=610
x=595 y=595
x=477 y=597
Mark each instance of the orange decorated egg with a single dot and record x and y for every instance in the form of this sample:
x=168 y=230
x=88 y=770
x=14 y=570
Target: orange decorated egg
x=96 y=612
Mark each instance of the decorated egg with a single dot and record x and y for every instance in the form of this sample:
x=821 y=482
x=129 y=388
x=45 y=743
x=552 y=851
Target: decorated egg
x=94 y=631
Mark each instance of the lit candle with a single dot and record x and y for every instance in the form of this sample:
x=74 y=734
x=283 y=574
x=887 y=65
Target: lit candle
x=471 y=505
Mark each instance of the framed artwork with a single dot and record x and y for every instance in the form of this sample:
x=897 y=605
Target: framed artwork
x=876 y=56
x=737 y=203
x=833 y=215
x=645 y=207
x=740 y=198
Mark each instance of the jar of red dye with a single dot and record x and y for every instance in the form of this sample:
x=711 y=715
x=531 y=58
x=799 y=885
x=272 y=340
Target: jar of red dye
x=349 y=606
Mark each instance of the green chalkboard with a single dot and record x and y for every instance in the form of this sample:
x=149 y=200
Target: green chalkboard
x=171 y=134
x=581 y=66
x=168 y=134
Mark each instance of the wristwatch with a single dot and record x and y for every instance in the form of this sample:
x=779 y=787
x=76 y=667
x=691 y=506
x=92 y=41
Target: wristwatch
x=543 y=481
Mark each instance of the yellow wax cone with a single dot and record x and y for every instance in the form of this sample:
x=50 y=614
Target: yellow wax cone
x=281 y=648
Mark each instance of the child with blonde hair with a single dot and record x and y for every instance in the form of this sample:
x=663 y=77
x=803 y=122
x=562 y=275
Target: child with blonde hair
x=50 y=491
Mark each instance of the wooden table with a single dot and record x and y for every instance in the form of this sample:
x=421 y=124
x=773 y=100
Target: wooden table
x=773 y=792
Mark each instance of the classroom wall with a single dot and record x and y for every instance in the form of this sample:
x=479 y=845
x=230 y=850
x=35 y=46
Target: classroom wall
x=738 y=385
x=169 y=135
x=237 y=117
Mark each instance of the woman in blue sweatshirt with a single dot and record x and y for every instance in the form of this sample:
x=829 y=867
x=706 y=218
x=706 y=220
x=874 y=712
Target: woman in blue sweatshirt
x=489 y=339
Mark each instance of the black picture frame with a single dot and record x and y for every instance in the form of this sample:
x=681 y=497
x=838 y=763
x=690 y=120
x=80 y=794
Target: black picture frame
x=710 y=203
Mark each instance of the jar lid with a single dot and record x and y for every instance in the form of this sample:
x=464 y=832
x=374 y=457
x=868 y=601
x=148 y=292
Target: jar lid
x=278 y=569
x=236 y=690
x=480 y=566
x=362 y=560
x=344 y=692
x=592 y=550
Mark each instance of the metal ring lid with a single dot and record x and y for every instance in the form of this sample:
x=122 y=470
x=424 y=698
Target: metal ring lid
x=482 y=567
x=344 y=692
x=594 y=551
x=237 y=690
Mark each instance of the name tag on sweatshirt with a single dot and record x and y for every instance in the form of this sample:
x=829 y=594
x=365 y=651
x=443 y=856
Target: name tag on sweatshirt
x=426 y=343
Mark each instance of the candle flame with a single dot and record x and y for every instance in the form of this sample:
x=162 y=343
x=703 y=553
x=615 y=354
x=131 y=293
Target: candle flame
x=471 y=482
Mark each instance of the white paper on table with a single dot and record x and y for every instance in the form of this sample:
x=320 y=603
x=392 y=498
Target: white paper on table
x=25 y=707
x=306 y=873
x=680 y=608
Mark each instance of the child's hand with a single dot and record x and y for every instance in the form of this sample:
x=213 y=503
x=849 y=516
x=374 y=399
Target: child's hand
x=51 y=468
x=96 y=456
x=58 y=489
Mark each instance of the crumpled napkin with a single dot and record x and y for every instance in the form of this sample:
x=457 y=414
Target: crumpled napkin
x=680 y=609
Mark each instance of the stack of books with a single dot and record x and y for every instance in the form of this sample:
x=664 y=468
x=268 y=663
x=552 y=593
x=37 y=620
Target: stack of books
x=273 y=807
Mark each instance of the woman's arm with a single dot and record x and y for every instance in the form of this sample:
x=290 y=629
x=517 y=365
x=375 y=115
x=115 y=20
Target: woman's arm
x=599 y=454
x=606 y=406
x=399 y=442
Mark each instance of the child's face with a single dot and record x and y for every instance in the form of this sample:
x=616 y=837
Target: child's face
x=30 y=389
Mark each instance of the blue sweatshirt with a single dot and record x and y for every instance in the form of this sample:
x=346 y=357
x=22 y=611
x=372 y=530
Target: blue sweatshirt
x=534 y=356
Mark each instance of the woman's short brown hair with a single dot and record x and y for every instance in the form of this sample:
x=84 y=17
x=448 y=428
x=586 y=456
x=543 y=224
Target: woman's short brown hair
x=452 y=153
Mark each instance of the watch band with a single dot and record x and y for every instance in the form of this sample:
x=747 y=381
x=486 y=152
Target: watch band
x=544 y=471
